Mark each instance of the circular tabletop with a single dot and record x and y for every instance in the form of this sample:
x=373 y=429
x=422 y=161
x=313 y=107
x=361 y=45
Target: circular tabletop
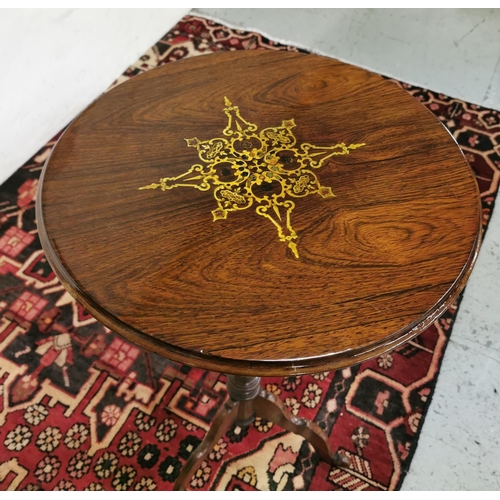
x=260 y=213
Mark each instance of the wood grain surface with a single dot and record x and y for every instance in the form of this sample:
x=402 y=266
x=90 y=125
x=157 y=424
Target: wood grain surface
x=377 y=263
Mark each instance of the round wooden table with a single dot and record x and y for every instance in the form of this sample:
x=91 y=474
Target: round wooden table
x=260 y=213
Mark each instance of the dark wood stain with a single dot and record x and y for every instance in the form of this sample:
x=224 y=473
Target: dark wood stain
x=377 y=264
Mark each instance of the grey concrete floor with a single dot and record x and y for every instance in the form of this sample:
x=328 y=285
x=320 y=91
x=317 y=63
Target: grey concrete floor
x=453 y=51
x=456 y=52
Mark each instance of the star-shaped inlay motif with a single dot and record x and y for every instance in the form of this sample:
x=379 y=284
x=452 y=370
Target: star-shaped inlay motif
x=263 y=169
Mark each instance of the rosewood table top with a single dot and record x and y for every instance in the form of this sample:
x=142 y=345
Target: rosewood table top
x=260 y=213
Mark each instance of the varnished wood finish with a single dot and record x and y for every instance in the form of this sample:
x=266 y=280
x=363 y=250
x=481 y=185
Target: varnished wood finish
x=243 y=399
x=377 y=264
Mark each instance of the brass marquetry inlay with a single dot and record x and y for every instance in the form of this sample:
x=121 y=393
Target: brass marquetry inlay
x=263 y=168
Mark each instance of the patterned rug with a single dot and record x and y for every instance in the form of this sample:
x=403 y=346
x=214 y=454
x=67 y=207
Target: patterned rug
x=80 y=409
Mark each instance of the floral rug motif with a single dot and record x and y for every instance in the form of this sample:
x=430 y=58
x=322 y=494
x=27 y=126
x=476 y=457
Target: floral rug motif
x=81 y=409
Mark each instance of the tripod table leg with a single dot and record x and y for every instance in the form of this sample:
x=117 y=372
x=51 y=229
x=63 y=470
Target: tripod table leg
x=224 y=418
x=268 y=406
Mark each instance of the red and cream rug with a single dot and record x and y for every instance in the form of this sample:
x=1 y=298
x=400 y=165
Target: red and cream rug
x=81 y=409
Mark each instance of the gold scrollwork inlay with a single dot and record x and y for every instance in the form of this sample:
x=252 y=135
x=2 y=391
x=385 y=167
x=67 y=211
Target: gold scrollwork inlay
x=265 y=168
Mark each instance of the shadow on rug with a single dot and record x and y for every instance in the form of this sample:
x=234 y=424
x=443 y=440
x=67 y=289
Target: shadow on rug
x=82 y=409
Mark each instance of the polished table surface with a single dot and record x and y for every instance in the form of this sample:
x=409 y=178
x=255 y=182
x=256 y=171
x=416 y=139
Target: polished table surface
x=260 y=213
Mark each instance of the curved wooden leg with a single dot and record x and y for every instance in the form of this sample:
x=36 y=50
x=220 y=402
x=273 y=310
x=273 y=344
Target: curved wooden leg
x=268 y=406
x=224 y=418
